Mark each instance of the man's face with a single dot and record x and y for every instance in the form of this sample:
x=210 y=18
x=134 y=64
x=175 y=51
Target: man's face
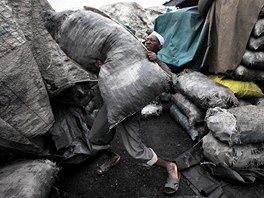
x=152 y=43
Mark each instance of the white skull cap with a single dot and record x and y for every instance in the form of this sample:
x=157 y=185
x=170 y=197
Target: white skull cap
x=159 y=37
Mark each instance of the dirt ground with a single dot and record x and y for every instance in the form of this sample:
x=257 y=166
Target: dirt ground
x=130 y=179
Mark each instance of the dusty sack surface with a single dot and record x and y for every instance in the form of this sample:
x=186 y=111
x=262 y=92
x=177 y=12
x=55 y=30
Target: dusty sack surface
x=128 y=81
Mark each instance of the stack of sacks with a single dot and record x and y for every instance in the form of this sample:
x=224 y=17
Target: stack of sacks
x=252 y=64
x=236 y=136
x=188 y=115
x=247 y=76
x=197 y=93
x=251 y=68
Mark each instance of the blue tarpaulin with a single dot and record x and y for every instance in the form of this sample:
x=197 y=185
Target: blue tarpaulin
x=185 y=34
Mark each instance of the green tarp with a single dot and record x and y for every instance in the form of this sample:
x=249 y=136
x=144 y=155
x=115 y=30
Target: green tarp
x=185 y=34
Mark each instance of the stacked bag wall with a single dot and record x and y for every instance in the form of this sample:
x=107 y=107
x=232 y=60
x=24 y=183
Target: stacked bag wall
x=188 y=115
x=197 y=93
x=236 y=136
x=241 y=157
x=226 y=42
x=252 y=65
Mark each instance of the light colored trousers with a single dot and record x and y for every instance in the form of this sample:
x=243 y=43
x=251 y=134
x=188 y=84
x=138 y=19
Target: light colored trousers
x=100 y=136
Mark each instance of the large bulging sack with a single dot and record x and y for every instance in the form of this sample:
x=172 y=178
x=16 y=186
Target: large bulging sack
x=28 y=178
x=253 y=59
x=241 y=89
x=128 y=81
x=247 y=74
x=240 y=125
x=189 y=109
x=258 y=29
x=204 y=92
x=238 y=156
x=180 y=118
x=256 y=44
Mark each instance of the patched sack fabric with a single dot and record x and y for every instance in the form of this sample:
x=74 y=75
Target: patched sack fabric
x=128 y=81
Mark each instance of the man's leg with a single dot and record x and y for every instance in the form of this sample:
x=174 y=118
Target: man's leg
x=130 y=133
x=100 y=137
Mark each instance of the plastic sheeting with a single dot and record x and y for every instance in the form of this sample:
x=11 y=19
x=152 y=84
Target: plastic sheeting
x=236 y=175
x=70 y=134
x=128 y=81
x=23 y=97
x=185 y=32
x=33 y=69
x=10 y=138
x=204 y=183
x=58 y=70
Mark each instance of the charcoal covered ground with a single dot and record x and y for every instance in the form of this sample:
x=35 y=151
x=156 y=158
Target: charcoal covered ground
x=130 y=179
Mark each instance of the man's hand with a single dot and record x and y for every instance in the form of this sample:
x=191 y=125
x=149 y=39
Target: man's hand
x=152 y=56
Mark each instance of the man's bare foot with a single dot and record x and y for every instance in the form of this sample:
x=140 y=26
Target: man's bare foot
x=172 y=170
x=108 y=164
